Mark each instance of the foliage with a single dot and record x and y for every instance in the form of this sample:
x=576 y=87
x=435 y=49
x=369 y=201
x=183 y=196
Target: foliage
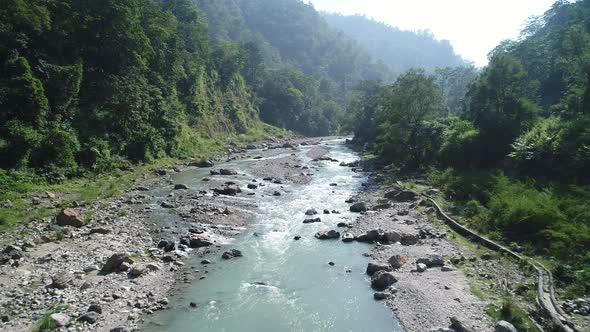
x=511 y=312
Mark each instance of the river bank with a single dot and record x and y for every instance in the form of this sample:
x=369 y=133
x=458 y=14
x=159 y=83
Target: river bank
x=171 y=223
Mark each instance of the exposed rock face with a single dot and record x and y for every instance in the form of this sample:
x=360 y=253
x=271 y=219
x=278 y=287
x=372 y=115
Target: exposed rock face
x=115 y=262
x=70 y=217
x=359 y=207
x=382 y=279
x=397 y=261
x=331 y=234
x=504 y=326
x=372 y=268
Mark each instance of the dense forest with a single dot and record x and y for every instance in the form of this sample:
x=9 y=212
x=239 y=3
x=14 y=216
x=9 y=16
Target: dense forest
x=513 y=153
x=400 y=50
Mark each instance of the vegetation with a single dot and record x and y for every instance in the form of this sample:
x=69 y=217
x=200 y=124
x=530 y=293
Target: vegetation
x=400 y=50
x=513 y=152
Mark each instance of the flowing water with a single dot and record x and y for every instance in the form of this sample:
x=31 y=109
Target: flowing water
x=281 y=284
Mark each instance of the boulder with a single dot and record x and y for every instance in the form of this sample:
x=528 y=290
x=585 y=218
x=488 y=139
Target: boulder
x=347 y=237
x=166 y=245
x=61 y=280
x=199 y=241
x=180 y=187
x=120 y=329
x=331 y=234
x=359 y=207
x=231 y=254
x=504 y=326
x=392 y=193
x=311 y=212
x=409 y=239
x=397 y=261
x=379 y=296
x=90 y=317
x=202 y=163
x=392 y=237
x=252 y=186
x=227 y=172
x=167 y=205
x=431 y=261
x=458 y=326
x=420 y=267
x=101 y=230
x=382 y=206
x=59 y=319
x=405 y=196
x=228 y=190
x=312 y=220
x=137 y=270
x=372 y=268
x=370 y=236
x=382 y=279
x=70 y=217
x=114 y=262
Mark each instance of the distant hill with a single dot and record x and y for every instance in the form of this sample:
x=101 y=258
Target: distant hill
x=399 y=49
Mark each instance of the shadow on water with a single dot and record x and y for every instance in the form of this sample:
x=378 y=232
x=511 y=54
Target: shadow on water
x=281 y=284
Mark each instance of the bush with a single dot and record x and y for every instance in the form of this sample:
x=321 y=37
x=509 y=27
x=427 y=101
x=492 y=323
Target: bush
x=460 y=147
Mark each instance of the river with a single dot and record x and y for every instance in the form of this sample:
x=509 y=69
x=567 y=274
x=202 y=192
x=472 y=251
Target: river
x=281 y=284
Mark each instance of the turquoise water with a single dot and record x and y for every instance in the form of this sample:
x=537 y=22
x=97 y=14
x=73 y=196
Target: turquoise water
x=301 y=292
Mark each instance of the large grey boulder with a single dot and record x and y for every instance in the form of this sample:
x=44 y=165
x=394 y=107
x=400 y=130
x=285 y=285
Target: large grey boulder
x=70 y=217
x=359 y=207
x=331 y=234
x=397 y=261
x=373 y=268
x=392 y=237
x=370 y=236
x=431 y=261
x=115 y=261
x=199 y=241
x=382 y=279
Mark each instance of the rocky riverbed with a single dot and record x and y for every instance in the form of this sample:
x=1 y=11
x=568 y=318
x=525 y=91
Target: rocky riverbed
x=110 y=264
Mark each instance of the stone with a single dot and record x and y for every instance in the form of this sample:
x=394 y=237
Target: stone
x=228 y=190
x=405 y=196
x=276 y=193
x=486 y=256
x=421 y=267
x=312 y=220
x=199 y=241
x=101 y=230
x=202 y=163
x=137 y=270
x=331 y=263
x=70 y=217
x=446 y=268
x=379 y=296
x=231 y=254
x=252 y=186
x=458 y=326
x=166 y=245
x=180 y=186
x=120 y=329
x=142 y=188
x=193 y=305
x=6 y=203
x=59 y=319
x=382 y=279
x=431 y=261
x=205 y=262
x=409 y=239
x=95 y=308
x=5 y=318
x=167 y=205
x=373 y=268
x=227 y=172
x=90 y=317
x=326 y=211
x=331 y=234
x=383 y=206
x=370 y=236
x=392 y=237
x=504 y=326
x=61 y=280
x=114 y=262
x=347 y=237
x=359 y=207
x=397 y=261
x=297 y=237
x=311 y=212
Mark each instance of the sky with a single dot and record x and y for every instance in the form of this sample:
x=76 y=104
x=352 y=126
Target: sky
x=474 y=27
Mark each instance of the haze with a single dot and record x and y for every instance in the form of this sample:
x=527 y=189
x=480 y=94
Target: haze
x=474 y=27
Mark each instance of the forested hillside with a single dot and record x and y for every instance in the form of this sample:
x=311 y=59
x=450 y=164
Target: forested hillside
x=400 y=50
x=515 y=158
x=87 y=84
